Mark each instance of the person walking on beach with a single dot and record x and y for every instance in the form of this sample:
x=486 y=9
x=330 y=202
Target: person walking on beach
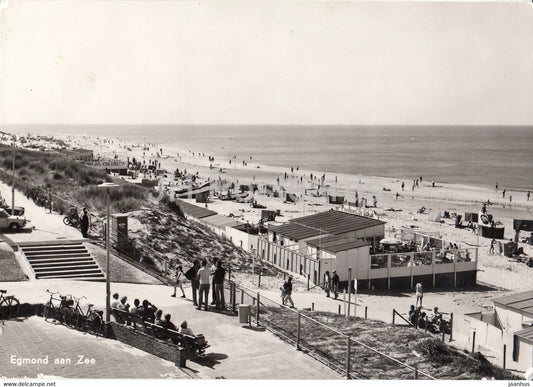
x=403 y=185
x=203 y=276
x=84 y=223
x=492 y=243
x=419 y=294
x=528 y=195
x=503 y=194
x=496 y=186
x=178 y=281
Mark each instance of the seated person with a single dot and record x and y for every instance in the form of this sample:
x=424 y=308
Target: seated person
x=167 y=324
x=135 y=308
x=184 y=330
x=158 y=320
x=436 y=319
x=422 y=320
x=147 y=311
x=411 y=314
x=123 y=305
x=115 y=301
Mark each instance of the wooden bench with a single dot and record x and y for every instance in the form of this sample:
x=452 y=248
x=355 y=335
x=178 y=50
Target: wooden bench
x=125 y=317
x=195 y=345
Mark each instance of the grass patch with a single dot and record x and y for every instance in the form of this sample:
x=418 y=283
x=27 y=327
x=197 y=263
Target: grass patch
x=10 y=268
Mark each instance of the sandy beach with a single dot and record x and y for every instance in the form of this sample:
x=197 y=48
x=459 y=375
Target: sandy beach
x=495 y=270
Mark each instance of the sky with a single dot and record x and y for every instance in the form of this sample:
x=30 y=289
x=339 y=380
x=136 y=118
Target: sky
x=266 y=62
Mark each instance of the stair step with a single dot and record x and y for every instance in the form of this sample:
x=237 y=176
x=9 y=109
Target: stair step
x=67 y=269
x=54 y=252
x=75 y=276
x=52 y=247
x=37 y=262
x=59 y=256
x=69 y=272
x=64 y=264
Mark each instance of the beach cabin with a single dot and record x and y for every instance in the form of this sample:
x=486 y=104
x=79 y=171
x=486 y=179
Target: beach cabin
x=218 y=223
x=297 y=245
x=508 y=326
x=244 y=236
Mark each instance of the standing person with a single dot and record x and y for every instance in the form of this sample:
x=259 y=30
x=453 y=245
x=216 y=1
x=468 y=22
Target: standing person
x=192 y=275
x=503 y=193
x=84 y=223
x=419 y=294
x=213 y=293
x=403 y=185
x=492 y=243
x=496 y=186
x=327 y=283
x=335 y=283
x=287 y=290
x=178 y=281
x=218 y=283
x=528 y=195
x=203 y=276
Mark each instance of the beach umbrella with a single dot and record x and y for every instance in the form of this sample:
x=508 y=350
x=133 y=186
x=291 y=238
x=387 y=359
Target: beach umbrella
x=390 y=241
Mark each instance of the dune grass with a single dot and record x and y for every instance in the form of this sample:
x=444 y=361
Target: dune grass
x=10 y=269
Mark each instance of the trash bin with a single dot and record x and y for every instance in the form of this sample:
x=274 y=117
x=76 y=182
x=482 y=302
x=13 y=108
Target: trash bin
x=244 y=313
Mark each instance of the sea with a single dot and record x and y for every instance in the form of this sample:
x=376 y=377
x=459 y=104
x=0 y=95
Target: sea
x=478 y=156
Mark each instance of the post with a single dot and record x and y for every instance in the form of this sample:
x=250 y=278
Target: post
x=298 y=334
x=473 y=341
x=451 y=326
x=308 y=278
x=443 y=336
x=366 y=312
x=349 y=289
x=416 y=372
x=242 y=296
x=348 y=358
x=339 y=309
x=234 y=294
x=257 y=310
x=259 y=282
x=344 y=300
x=504 y=354
x=393 y=315
x=13 y=190
x=107 y=277
x=229 y=271
x=312 y=306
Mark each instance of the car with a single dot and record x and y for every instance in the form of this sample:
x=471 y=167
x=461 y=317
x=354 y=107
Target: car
x=19 y=211
x=11 y=223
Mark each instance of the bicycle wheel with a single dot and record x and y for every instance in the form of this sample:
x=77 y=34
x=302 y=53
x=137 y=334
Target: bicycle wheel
x=13 y=307
x=96 y=323
x=70 y=318
x=3 y=309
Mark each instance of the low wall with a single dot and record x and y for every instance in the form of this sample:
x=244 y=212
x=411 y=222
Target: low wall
x=140 y=340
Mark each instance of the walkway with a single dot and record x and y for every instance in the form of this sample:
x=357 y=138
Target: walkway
x=34 y=338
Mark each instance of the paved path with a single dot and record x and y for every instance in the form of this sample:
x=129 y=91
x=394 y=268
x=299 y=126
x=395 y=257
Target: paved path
x=38 y=339
x=235 y=352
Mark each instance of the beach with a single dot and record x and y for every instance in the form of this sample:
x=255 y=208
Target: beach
x=399 y=212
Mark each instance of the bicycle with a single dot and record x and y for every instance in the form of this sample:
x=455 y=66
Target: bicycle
x=90 y=320
x=9 y=305
x=57 y=312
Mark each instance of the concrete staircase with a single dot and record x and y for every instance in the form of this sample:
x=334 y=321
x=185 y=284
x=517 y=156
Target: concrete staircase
x=56 y=260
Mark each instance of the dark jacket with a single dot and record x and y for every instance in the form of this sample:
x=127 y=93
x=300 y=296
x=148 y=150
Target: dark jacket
x=218 y=276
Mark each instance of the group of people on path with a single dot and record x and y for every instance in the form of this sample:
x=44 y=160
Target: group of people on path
x=204 y=278
x=286 y=292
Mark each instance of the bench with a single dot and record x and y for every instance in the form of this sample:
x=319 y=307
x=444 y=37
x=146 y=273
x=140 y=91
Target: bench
x=194 y=345
x=125 y=317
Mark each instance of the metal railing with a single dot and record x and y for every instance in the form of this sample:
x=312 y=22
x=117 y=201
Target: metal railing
x=338 y=350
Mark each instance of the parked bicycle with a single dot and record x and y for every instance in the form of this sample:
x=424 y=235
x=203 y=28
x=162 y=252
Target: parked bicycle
x=9 y=305
x=57 y=311
x=91 y=319
x=72 y=218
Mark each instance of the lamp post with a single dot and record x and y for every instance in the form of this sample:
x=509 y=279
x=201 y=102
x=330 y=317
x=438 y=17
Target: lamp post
x=107 y=187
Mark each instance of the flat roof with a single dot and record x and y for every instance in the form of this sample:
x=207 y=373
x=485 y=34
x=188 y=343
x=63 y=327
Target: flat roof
x=220 y=220
x=194 y=211
x=295 y=231
x=335 y=244
x=526 y=334
x=337 y=222
x=518 y=302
